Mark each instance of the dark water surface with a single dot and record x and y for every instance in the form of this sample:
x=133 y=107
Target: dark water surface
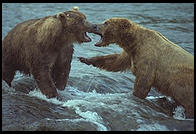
x=95 y=99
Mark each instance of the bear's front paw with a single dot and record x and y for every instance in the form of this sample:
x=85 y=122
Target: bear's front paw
x=84 y=60
x=139 y=94
x=50 y=93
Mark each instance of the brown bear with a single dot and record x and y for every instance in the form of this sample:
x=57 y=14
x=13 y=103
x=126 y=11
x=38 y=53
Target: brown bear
x=152 y=58
x=43 y=47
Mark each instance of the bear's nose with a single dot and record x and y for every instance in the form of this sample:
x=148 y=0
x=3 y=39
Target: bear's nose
x=95 y=27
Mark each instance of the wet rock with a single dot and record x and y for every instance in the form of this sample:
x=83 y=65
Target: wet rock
x=117 y=121
x=83 y=111
x=63 y=125
x=25 y=84
x=22 y=112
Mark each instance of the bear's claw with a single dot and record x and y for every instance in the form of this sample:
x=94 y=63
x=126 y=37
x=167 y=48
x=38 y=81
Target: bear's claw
x=84 y=60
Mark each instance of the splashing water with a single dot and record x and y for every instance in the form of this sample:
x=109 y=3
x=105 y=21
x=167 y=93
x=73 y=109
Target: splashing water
x=179 y=113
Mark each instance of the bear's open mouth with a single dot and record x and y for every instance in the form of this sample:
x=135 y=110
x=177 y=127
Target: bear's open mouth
x=86 y=38
x=100 y=43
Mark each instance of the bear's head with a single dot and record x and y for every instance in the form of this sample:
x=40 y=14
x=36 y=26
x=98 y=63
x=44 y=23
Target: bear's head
x=112 y=31
x=76 y=25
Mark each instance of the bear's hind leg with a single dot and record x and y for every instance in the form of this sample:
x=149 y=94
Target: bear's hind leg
x=8 y=74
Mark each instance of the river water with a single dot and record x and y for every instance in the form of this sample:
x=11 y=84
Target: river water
x=96 y=99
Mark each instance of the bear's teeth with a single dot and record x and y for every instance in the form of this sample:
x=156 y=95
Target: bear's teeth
x=99 y=43
x=86 y=37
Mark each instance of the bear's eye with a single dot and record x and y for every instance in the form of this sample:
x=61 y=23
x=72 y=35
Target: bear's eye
x=69 y=15
x=106 y=23
x=80 y=20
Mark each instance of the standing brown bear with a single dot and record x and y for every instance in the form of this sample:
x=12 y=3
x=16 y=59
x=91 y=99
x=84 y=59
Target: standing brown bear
x=44 y=47
x=153 y=59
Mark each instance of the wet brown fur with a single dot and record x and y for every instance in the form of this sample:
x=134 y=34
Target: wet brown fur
x=152 y=58
x=43 y=47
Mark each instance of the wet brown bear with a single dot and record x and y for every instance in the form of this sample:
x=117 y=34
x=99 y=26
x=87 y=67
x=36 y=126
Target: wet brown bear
x=153 y=59
x=44 y=47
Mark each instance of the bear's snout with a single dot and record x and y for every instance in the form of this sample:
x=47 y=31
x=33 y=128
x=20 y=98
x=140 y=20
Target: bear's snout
x=95 y=27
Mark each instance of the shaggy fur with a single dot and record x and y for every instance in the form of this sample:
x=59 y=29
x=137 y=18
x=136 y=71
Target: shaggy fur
x=152 y=58
x=44 y=47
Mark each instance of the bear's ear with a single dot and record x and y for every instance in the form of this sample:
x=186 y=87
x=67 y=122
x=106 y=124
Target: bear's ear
x=75 y=8
x=125 y=24
x=60 y=15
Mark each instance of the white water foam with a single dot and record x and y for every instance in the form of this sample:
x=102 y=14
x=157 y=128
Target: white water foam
x=144 y=126
x=179 y=113
x=100 y=126
x=161 y=96
x=87 y=115
x=18 y=75
x=85 y=108
x=37 y=93
x=72 y=120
